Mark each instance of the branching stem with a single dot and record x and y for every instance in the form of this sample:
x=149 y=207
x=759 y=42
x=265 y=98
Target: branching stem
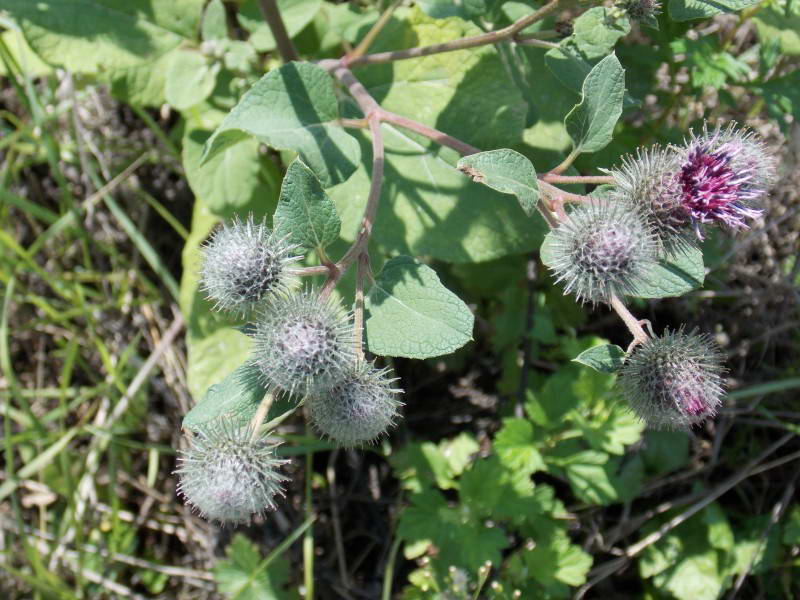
x=565 y=164
x=374 y=115
x=368 y=40
x=568 y=179
x=429 y=132
x=559 y=194
x=483 y=39
x=372 y=112
x=535 y=42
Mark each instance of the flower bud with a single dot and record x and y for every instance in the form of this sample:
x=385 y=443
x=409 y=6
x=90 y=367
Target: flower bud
x=649 y=180
x=228 y=476
x=673 y=381
x=303 y=344
x=243 y=263
x=642 y=10
x=601 y=250
x=359 y=408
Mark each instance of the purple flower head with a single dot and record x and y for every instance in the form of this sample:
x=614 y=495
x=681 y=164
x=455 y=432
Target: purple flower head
x=712 y=191
x=717 y=177
x=724 y=175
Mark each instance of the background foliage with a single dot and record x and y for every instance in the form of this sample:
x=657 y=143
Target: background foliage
x=127 y=136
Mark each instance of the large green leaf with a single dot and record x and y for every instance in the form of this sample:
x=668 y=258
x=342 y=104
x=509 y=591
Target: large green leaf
x=685 y=10
x=214 y=349
x=23 y=55
x=591 y=123
x=467 y=94
x=606 y=358
x=595 y=33
x=410 y=313
x=293 y=107
x=683 y=563
x=506 y=171
x=466 y=9
x=305 y=213
x=142 y=84
x=596 y=479
x=675 y=275
x=235 y=398
x=215 y=25
x=428 y=207
x=234 y=178
x=296 y=14
x=665 y=451
x=104 y=35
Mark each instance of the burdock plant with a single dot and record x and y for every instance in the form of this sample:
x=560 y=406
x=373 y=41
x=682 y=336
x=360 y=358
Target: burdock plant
x=673 y=381
x=303 y=343
x=601 y=250
x=228 y=474
x=244 y=262
x=719 y=177
x=359 y=408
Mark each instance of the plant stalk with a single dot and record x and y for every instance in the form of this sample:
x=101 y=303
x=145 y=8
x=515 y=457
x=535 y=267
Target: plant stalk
x=269 y=9
x=632 y=323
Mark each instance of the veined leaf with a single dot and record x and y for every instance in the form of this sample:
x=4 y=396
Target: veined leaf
x=293 y=107
x=305 y=213
x=506 y=171
x=591 y=123
x=410 y=313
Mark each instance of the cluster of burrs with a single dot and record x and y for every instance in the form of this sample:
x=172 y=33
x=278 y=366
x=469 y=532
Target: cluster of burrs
x=304 y=346
x=661 y=202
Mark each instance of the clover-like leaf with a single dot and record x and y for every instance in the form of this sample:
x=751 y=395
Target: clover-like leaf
x=606 y=358
x=516 y=446
x=465 y=543
x=506 y=171
x=293 y=107
x=591 y=123
x=305 y=213
x=246 y=575
x=410 y=313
